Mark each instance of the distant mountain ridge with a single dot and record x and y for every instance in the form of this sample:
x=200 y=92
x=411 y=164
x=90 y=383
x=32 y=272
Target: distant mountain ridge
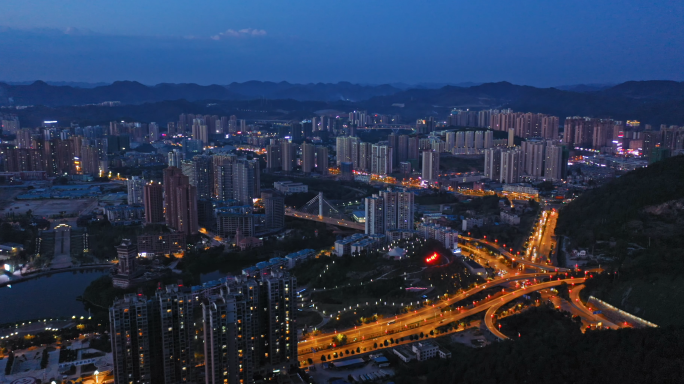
x=652 y=102
x=75 y=84
x=132 y=92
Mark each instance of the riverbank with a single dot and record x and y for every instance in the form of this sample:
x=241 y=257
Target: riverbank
x=24 y=278
x=49 y=295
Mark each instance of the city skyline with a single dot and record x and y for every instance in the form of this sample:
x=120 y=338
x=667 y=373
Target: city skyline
x=337 y=192
x=102 y=42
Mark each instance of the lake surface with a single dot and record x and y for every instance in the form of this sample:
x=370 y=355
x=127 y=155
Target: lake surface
x=46 y=297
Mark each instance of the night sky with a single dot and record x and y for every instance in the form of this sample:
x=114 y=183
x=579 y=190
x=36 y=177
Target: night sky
x=541 y=43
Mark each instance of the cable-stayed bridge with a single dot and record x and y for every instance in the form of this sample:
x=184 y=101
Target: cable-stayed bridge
x=319 y=209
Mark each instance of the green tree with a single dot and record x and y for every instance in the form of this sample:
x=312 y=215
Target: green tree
x=10 y=361
x=339 y=339
x=563 y=291
x=44 y=359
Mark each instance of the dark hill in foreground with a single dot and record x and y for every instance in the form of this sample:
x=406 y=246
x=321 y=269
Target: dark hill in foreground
x=551 y=349
x=636 y=224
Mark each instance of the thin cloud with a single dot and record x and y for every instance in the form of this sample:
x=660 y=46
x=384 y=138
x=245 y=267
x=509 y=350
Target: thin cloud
x=73 y=31
x=246 y=32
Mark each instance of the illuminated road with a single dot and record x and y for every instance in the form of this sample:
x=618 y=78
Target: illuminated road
x=542 y=240
x=327 y=220
x=547 y=241
x=512 y=257
x=588 y=312
x=423 y=320
x=483 y=258
x=489 y=316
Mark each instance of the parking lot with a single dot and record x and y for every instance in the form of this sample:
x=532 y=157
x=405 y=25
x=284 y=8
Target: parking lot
x=48 y=207
x=322 y=376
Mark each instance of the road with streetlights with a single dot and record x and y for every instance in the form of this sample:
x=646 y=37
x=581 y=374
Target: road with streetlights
x=547 y=241
x=585 y=312
x=421 y=320
x=543 y=267
x=491 y=311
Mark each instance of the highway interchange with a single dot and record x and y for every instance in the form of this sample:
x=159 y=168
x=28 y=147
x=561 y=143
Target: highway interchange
x=513 y=281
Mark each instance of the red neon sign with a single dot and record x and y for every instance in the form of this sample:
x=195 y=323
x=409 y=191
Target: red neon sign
x=432 y=258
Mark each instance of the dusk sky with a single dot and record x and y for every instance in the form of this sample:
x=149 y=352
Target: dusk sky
x=541 y=43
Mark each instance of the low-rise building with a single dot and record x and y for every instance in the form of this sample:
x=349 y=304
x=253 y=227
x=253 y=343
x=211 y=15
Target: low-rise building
x=230 y=220
x=509 y=218
x=358 y=243
x=293 y=259
x=362 y=245
x=469 y=224
x=161 y=244
x=425 y=350
x=288 y=187
x=404 y=354
x=343 y=246
x=272 y=265
x=10 y=249
x=474 y=267
x=445 y=235
x=397 y=234
x=125 y=214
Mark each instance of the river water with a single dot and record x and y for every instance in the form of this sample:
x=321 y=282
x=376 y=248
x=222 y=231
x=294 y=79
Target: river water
x=46 y=297
x=54 y=295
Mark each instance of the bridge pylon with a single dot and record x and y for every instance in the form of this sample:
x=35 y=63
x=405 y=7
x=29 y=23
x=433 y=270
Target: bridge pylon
x=320 y=205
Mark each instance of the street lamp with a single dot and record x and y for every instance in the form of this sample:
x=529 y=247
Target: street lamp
x=96 y=377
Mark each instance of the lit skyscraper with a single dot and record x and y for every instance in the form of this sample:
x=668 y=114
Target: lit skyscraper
x=430 y=166
x=398 y=209
x=375 y=217
x=553 y=164
x=180 y=200
x=492 y=165
x=153 y=200
x=308 y=157
x=246 y=181
x=533 y=155
x=322 y=160
x=510 y=166
x=287 y=156
x=381 y=159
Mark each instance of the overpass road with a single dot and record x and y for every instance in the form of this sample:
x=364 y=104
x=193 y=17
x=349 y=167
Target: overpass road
x=541 y=266
x=585 y=312
x=489 y=315
x=426 y=318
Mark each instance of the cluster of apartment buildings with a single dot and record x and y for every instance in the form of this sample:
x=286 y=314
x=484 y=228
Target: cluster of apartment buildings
x=236 y=330
x=217 y=191
x=281 y=154
x=536 y=159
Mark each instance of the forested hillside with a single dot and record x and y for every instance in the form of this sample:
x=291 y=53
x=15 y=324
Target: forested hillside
x=636 y=222
x=551 y=349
